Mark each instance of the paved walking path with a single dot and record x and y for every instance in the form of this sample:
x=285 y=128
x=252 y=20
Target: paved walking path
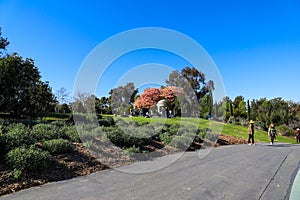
x=228 y=172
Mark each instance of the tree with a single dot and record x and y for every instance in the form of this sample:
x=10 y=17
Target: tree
x=102 y=105
x=248 y=110
x=3 y=43
x=62 y=95
x=148 y=99
x=239 y=107
x=28 y=96
x=191 y=79
x=121 y=98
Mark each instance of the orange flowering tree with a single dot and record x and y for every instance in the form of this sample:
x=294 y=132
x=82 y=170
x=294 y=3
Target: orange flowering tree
x=151 y=96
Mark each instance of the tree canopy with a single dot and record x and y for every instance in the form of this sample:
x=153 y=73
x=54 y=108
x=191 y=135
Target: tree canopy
x=23 y=93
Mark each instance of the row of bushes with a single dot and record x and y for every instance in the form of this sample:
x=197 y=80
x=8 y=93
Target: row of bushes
x=16 y=135
x=26 y=148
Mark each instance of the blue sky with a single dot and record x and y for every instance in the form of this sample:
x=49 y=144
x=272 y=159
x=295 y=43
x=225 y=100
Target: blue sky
x=255 y=44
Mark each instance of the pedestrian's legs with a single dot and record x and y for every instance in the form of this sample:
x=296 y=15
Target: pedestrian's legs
x=272 y=139
x=252 y=138
x=249 y=137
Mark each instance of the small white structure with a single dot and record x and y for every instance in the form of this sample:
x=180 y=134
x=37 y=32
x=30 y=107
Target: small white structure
x=160 y=105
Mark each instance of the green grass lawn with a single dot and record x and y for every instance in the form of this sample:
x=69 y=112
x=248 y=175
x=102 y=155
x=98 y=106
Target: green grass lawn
x=217 y=127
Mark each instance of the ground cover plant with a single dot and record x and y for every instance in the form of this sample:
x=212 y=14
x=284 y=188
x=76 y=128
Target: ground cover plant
x=36 y=153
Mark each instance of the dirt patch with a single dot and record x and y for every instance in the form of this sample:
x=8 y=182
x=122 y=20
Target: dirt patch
x=82 y=162
x=229 y=140
x=65 y=166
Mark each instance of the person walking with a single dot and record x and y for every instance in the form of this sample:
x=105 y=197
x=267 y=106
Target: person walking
x=297 y=135
x=251 y=133
x=272 y=133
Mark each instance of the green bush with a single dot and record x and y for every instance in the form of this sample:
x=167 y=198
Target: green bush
x=179 y=143
x=111 y=120
x=2 y=121
x=103 y=122
x=57 y=146
x=43 y=132
x=285 y=130
x=28 y=159
x=201 y=134
x=70 y=133
x=60 y=115
x=16 y=136
x=127 y=137
x=173 y=129
x=59 y=123
x=2 y=144
x=231 y=120
x=132 y=150
x=165 y=138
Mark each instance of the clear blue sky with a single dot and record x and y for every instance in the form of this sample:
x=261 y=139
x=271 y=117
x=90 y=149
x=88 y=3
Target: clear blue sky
x=255 y=44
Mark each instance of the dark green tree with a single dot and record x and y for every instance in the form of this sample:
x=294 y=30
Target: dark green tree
x=23 y=93
x=191 y=79
x=121 y=98
x=3 y=43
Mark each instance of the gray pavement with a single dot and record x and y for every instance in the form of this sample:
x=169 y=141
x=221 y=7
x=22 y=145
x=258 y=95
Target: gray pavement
x=228 y=172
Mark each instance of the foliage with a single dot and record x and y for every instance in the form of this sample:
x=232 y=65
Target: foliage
x=111 y=120
x=285 y=130
x=70 y=133
x=121 y=99
x=3 y=43
x=103 y=105
x=166 y=138
x=57 y=146
x=191 y=78
x=231 y=120
x=27 y=97
x=62 y=96
x=28 y=159
x=129 y=136
x=42 y=132
x=148 y=99
x=16 y=136
x=132 y=150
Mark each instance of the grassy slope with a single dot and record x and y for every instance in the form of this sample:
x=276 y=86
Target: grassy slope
x=217 y=127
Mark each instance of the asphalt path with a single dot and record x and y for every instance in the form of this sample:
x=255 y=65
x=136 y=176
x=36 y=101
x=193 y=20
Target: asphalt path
x=228 y=172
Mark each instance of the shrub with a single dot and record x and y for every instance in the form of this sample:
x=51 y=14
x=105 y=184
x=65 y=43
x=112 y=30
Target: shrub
x=178 y=143
x=16 y=136
x=43 y=132
x=103 y=122
x=285 y=130
x=2 y=144
x=231 y=120
x=165 y=138
x=2 y=121
x=28 y=159
x=132 y=150
x=60 y=115
x=57 y=146
x=59 y=123
x=110 y=120
x=244 y=122
x=120 y=137
x=70 y=133
x=173 y=129
x=81 y=118
x=201 y=133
